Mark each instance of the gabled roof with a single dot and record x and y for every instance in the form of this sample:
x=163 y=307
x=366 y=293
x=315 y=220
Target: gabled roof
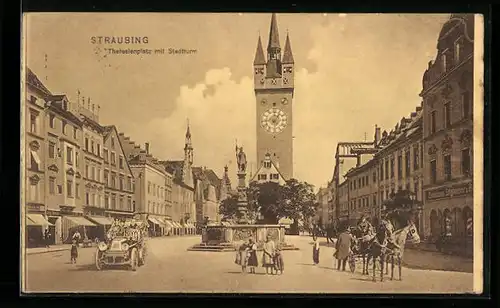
x=33 y=80
x=108 y=131
x=262 y=166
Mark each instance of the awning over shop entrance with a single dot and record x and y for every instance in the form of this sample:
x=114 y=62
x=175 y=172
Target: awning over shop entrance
x=80 y=221
x=155 y=221
x=37 y=220
x=177 y=225
x=104 y=221
x=169 y=224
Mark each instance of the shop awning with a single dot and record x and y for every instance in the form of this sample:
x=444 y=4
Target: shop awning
x=177 y=225
x=169 y=224
x=104 y=221
x=80 y=221
x=190 y=225
x=159 y=221
x=153 y=220
x=37 y=220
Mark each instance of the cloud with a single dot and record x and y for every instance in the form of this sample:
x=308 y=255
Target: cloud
x=357 y=83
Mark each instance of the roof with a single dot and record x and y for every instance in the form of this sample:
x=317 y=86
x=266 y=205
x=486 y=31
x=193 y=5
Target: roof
x=33 y=80
x=107 y=131
x=259 y=54
x=405 y=128
x=58 y=108
x=287 y=53
x=175 y=167
x=274 y=38
x=262 y=166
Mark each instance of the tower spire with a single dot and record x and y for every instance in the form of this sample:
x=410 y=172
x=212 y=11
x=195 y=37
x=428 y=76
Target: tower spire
x=274 y=38
x=287 y=53
x=259 y=54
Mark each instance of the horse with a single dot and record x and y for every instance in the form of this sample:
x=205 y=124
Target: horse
x=376 y=249
x=363 y=248
x=409 y=234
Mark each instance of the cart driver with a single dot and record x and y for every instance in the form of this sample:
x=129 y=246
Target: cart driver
x=389 y=228
x=366 y=229
x=134 y=232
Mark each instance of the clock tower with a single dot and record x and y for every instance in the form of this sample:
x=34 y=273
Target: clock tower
x=274 y=85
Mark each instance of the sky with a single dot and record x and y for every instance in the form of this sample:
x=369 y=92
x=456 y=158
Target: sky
x=352 y=72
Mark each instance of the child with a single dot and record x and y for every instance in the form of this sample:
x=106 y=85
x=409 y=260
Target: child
x=279 y=265
x=315 y=250
x=74 y=252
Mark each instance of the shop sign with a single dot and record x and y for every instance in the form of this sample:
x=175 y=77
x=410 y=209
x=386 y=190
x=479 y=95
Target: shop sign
x=450 y=192
x=34 y=207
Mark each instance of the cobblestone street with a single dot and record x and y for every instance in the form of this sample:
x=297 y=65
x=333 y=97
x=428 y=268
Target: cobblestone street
x=170 y=268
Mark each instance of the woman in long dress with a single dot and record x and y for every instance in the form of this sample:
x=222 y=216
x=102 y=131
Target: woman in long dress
x=241 y=257
x=252 y=256
x=315 y=250
x=268 y=256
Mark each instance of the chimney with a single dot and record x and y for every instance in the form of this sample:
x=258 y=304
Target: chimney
x=147 y=147
x=377 y=135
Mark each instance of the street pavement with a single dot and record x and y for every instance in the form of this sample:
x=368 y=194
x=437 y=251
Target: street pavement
x=171 y=268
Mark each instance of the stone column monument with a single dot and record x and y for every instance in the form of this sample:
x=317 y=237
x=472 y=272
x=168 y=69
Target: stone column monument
x=241 y=160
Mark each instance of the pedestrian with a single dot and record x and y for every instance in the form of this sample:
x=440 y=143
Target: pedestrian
x=315 y=250
x=252 y=256
x=74 y=252
x=279 y=264
x=77 y=237
x=343 y=248
x=46 y=238
x=241 y=257
x=268 y=255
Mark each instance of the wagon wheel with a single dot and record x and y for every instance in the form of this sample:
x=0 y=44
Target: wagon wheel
x=98 y=263
x=133 y=259
x=352 y=263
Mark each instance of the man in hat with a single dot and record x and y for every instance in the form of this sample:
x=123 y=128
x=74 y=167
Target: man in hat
x=366 y=229
x=387 y=225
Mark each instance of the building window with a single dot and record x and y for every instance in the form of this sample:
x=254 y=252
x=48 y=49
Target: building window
x=106 y=177
x=267 y=164
x=64 y=126
x=121 y=203
x=407 y=163
x=374 y=200
x=415 y=189
x=35 y=161
x=69 y=188
x=415 y=157
x=433 y=122
x=93 y=200
x=112 y=142
x=392 y=168
x=99 y=149
x=33 y=122
x=87 y=198
x=354 y=183
x=386 y=169
x=34 y=191
x=121 y=183
x=86 y=144
x=77 y=160
x=359 y=182
x=447 y=115
x=113 y=159
x=381 y=174
x=154 y=189
x=447 y=167
x=98 y=174
x=129 y=204
x=444 y=62
x=129 y=183
x=466 y=162
x=113 y=201
x=400 y=166
x=92 y=146
x=466 y=105
x=433 y=171
x=77 y=190
x=359 y=203
x=374 y=177
x=69 y=155
x=93 y=173
x=121 y=162
x=52 y=185
x=52 y=150
x=106 y=201
x=457 y=51
x=262 y=177
x=113 y=180
x=52 y=121
x=105 y=153
x=87 y=171
x=75 y=133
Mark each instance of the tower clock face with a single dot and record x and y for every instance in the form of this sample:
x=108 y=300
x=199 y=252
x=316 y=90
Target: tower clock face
x=274 y=120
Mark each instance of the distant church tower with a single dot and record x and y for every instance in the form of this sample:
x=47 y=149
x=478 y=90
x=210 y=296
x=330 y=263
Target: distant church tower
x=188 y=158
x=274 y=85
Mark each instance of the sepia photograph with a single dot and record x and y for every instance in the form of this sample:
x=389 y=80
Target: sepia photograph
x=322 y=153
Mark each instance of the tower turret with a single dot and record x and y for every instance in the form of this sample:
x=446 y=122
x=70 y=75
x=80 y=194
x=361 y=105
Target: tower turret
x=188 y=147
x=273 y=50
x=259 y=65
x=288 y=64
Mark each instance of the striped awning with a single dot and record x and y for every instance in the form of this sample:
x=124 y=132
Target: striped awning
x=177 y=225
x=169 y=224
x=80 y=221
x=155 y=221
x=37 y=220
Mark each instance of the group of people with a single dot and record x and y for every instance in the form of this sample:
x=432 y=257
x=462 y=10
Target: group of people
x=272 y=258
x=134 y=230
x=350 y=239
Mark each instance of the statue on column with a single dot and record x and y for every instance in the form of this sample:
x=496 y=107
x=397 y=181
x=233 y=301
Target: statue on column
x=241 y=159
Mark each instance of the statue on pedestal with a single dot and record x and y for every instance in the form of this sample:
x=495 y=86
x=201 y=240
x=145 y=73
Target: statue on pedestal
x=241 y=159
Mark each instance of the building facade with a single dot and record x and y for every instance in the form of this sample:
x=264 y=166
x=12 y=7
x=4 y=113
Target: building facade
x=448 y=132
x=274 y=88
x=268 y=172
x=363 y=191
x=322 y=210
x=119 y=198
x=343 y=203
x=207 y=194
x=35 y=150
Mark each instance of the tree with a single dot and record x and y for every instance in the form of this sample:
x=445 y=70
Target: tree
x=229 y=207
